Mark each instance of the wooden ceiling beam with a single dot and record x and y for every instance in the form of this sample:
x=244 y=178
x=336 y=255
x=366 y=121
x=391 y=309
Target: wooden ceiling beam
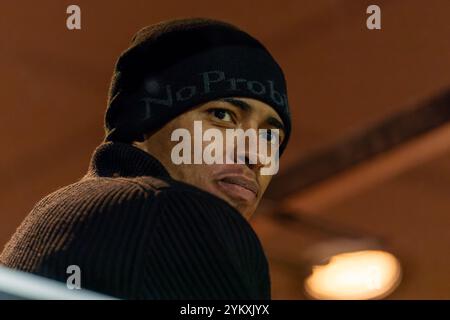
x=401 y=142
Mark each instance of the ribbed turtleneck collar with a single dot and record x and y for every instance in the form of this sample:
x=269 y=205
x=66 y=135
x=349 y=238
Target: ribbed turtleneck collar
x=112 y=159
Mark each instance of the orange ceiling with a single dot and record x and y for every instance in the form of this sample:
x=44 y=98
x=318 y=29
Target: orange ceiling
x=341 y=78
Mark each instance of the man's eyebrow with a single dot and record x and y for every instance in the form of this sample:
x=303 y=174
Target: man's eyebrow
x=275 y=122
x=247 y=107
x=238 y=103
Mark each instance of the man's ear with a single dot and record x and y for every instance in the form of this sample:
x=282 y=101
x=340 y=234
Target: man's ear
x=141 y=144
x=143 y=140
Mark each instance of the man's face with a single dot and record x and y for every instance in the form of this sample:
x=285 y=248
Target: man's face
x=241 y=185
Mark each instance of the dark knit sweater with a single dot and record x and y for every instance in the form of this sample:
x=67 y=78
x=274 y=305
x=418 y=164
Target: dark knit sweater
x=136 y=233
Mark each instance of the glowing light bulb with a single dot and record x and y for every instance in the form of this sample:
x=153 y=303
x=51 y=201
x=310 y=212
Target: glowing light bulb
x=367 y=274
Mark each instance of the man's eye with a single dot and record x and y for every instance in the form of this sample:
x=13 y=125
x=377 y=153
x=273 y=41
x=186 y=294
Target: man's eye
x=221 y=114
x=271 y=135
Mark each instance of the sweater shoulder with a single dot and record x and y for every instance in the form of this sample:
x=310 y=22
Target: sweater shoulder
x=142 y=184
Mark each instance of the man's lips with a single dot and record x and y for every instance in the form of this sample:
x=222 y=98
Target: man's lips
x=243 y=182
x=239 y=186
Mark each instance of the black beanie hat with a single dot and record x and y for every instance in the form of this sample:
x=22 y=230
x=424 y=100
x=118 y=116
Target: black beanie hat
x=175 y=65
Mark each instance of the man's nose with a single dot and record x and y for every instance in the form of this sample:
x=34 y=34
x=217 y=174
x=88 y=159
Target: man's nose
x=251 y=159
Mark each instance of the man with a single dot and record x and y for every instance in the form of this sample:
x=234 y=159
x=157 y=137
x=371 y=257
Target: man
x=139 y=225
